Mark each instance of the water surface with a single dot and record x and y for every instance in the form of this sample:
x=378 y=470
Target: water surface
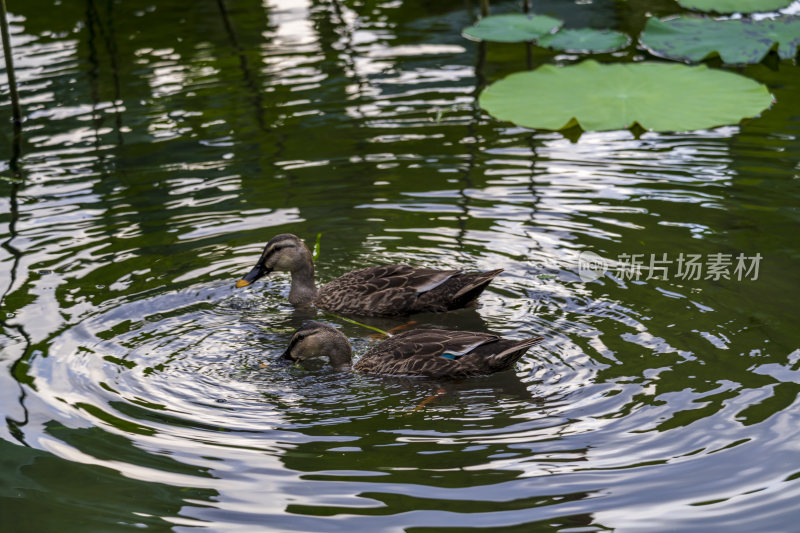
x=163 y=146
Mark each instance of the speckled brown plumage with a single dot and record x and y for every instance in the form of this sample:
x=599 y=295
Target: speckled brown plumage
x=393 y=290
x=427 y=352
x=434 y=353
x=390 y=290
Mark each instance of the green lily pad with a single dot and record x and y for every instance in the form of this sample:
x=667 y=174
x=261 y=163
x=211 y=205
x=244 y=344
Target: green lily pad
x=736 y=41
x=657 y=96
x=735 y=6
x=514 y=28
x=585 y=40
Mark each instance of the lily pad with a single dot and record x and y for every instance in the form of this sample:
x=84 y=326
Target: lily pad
x=657 y=96
x=585 y=40
x=736 y=41
x=513 y=28
x=735 y=6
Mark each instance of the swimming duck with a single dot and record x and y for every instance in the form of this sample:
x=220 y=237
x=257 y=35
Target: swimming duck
x=434 y=353
x=389 y=290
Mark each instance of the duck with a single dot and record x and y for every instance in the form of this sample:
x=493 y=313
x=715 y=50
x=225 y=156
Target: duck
x=387 y=290
x=433 y=353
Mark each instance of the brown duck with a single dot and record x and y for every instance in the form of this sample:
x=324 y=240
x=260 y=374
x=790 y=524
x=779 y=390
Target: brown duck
x=389 y=290
x=434 y=353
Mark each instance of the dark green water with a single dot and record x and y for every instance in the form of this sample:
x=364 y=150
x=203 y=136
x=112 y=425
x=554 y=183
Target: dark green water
x=166 y=142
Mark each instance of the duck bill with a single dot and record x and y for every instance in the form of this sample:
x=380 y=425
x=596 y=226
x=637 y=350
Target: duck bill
x=257 y=272
x=287 y=354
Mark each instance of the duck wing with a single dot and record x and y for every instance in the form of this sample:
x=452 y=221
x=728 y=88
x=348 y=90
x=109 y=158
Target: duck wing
x=427 y=352
x=460 y=290
x=387 y=290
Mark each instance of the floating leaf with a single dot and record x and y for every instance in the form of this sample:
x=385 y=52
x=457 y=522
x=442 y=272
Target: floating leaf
x=317 y=247
x=735 y=6
x=736 y=41
x=585 y=40
x=514 y=28
x=657 y=96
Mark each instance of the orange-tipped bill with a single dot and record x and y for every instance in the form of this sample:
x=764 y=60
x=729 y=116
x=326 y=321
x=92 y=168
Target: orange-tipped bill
x=258 y=271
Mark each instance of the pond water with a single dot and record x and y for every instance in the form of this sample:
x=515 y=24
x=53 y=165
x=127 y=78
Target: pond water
x=164 y=144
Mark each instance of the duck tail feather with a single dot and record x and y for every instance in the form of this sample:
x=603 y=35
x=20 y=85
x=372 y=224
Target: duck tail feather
x=511 y=355
x=471 y=290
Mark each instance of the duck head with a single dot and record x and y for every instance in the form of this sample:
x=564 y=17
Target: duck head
x=283 y=252
x=315 y=339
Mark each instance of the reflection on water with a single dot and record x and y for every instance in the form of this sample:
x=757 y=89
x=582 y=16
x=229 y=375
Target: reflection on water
x=163 y=146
